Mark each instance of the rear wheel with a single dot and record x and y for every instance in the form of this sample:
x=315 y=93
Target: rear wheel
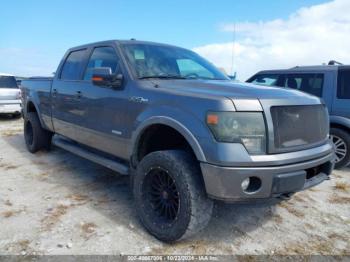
x=170 y=197
x=35 y=136
x=341 y=141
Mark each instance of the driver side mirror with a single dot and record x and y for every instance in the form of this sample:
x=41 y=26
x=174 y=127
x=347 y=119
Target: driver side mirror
x=102 y=76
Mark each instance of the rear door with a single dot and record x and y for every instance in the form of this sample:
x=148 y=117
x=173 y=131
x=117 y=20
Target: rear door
x=341 y=101
x=67 y=112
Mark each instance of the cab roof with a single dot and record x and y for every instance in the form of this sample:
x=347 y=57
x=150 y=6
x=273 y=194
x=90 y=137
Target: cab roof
x=116 y=41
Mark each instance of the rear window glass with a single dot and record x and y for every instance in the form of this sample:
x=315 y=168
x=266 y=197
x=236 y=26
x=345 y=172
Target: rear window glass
x=309 y=83
x=266 y=80
x=8 y=82
x=344 y=84
x=73 y=66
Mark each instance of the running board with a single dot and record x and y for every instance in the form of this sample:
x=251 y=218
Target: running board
x=74 y=148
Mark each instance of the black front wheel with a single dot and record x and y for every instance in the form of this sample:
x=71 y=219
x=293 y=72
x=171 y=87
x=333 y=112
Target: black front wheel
x=170 y=195
x=162 y=195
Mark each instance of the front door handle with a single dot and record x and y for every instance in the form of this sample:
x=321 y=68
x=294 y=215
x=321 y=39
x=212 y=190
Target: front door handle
x=138 y=99
x=78 y=94
x=54 y=92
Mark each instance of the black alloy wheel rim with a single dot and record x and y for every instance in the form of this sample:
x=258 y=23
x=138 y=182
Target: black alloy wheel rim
x=161 y=195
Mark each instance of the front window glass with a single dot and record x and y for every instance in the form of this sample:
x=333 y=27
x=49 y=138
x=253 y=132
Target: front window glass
x=8 y=82
x=157 y=61
x=102 y=57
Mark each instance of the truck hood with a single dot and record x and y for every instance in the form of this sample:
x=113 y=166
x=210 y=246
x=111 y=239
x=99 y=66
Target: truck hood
x=237 y=91
x=231 y=89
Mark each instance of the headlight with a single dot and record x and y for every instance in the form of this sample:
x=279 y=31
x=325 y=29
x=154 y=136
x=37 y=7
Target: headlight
x=247 y=128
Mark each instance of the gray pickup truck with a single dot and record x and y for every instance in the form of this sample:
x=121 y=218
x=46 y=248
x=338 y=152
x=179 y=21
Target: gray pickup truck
x=180 y=128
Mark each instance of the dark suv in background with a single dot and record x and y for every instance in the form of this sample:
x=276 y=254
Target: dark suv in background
x=331 y=83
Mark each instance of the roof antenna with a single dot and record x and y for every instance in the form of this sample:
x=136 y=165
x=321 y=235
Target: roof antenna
x=233 y=50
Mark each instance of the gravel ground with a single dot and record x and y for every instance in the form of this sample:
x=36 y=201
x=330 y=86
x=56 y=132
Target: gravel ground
x=57 y=203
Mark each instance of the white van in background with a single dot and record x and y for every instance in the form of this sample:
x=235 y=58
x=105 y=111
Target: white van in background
x=10 y=95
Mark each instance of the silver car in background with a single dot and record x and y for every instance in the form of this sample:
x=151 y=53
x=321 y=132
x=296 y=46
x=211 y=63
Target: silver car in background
x=10 y=95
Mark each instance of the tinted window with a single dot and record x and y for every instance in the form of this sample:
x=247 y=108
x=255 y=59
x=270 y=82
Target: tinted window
x=266 y=80
x=309 y=83
x=8 y=82
x=102 y=57
x=73 y=65
x=344 y=84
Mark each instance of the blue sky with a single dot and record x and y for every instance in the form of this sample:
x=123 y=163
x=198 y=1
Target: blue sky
x=35 y=34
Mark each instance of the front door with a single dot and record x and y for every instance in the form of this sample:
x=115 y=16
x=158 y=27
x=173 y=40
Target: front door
x=105 y=109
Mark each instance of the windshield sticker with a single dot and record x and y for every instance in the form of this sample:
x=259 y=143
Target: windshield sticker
x=139 y=54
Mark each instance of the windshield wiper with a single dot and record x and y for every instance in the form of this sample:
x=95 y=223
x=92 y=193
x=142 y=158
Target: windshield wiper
x=163 y=77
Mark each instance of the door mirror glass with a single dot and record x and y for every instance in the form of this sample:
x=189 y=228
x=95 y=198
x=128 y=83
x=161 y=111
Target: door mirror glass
x=102 y=76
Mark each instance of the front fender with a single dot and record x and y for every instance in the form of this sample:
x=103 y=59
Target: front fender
x=187 y=124
x=339 y=120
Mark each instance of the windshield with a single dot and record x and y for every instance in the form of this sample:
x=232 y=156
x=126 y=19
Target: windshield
x=167 y=62
x=8 y=82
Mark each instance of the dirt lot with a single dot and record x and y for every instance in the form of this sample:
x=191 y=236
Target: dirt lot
x=57 y=203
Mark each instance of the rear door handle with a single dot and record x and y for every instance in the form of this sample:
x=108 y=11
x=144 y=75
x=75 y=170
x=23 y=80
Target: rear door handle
x=54 y=92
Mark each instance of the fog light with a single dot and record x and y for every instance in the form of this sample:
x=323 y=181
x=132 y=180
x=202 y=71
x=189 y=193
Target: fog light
x=251 y=185
x=245 y=184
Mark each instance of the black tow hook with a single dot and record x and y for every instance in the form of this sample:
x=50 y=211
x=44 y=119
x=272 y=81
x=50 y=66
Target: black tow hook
x=286 y=196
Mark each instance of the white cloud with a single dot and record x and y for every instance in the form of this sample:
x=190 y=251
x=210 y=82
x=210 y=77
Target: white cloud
x=312 y=35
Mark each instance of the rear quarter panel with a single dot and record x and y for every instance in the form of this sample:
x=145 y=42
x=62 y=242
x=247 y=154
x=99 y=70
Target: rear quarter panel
x=38 y=92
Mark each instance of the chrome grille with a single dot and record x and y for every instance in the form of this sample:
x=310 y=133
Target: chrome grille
x=298 y=126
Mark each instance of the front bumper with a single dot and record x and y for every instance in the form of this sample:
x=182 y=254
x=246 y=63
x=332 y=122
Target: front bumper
x=224 y=183
x=10 y=108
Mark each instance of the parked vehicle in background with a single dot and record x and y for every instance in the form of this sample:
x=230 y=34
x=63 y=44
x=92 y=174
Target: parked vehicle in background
x=183 y=130
x=331 y=83
x=19 y=80
x=10 y=95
